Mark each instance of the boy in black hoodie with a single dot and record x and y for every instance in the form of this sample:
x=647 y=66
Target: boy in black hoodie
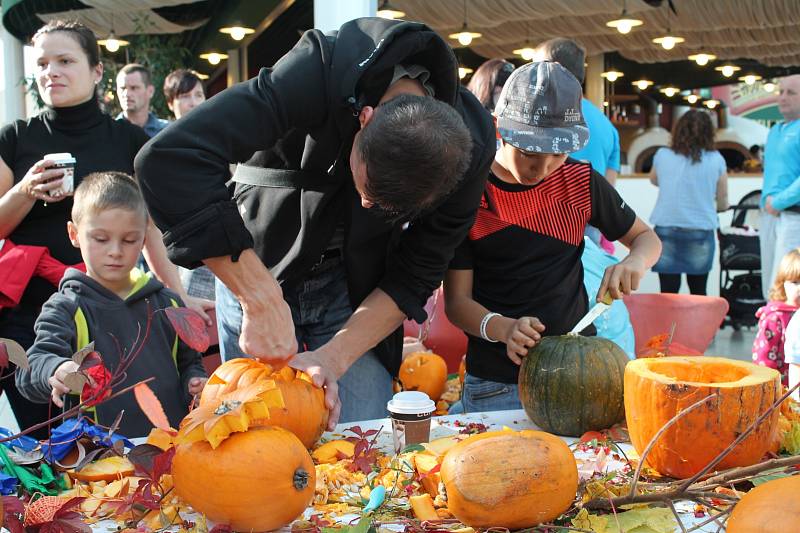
x=109 y=305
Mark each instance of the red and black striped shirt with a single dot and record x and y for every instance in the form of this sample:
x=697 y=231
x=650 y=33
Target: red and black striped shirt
x=525 y=252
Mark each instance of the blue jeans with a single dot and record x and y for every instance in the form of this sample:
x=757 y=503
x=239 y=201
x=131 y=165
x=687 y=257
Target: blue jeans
x=481 y=395
x=320 y=306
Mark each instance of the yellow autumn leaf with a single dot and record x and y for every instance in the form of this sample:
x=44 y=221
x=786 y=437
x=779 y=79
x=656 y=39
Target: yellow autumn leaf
x=590 y=522
x=642 y=520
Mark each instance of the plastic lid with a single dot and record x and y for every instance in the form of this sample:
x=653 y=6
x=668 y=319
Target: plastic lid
x=411 y=403
x=60 y=158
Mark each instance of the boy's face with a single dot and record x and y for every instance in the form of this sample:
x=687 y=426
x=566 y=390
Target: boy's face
x=528 y=168
x=110 y=242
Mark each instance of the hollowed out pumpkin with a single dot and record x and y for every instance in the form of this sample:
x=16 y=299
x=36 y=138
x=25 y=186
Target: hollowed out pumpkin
x=509 y=479
x=425 y=372
x=658 y=389
x=257 y=480
x=770 y=507
x=304 y=412
x=572 y=384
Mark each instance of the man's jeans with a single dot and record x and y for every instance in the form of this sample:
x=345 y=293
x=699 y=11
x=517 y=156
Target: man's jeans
x=320 y=306
x=483 y=395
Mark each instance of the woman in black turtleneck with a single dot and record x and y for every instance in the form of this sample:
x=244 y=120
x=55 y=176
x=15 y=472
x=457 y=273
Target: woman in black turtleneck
x=68 y=71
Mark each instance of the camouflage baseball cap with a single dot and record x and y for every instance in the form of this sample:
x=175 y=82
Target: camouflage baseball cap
x=539 y=110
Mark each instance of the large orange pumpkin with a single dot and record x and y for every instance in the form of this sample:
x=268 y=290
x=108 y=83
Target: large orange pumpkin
x=658 y=389
x=257 y=480
x=425 y=372
x=509 y=479
x=770 y=507
x=304 y=412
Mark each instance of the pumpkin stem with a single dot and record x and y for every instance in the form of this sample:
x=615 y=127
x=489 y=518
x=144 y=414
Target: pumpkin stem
x=300 y=479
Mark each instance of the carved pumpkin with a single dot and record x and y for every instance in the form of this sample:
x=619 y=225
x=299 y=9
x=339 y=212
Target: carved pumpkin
x=572 y=384
x=258 y=480
x=658 y=389
x=303 y=412
x=425 y=372
x=509 y=479
x=770 y=507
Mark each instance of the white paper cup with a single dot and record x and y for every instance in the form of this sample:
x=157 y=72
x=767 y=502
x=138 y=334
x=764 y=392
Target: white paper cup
x=66 y=162
x=411 y=413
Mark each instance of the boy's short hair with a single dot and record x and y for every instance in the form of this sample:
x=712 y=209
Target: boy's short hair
x=567 y=52
x=101 y=191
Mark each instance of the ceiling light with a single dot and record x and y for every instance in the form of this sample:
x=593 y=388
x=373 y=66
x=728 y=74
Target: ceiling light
x=643 y=84
x=214 y=57
x=692 y=98
x=702 y=59
x=624 y=24
x=668 y=42
x=612 y=75
x=750 y=79
x=465 y=37
x=463 y=71
x=728 y=70
x=112 y=43
x=769 y=87
x=711 y=104
x=237 y=32
x=387 y=11
x=527 y=53
x=670 y=91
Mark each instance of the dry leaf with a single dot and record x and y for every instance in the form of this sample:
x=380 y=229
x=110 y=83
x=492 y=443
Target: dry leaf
x=81 y=354
x=11 y=351
x=75 y=381
x=150 y=406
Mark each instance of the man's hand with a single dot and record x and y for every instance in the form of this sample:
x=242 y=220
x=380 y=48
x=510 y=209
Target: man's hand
x=622 y=278
x=201 y=306
x=196 y=385
x=57 y=381
x=268 y=333
x=325 y=375
x=523 y=335
x=768 y=207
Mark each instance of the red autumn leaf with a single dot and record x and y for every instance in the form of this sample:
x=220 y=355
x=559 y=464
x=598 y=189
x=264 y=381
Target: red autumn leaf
x=150 y=406
x=221 y=528
x=92 y=359
x=162 y=464
x=190 y=327
x=98 y=388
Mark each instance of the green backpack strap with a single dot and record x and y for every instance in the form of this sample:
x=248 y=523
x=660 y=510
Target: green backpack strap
x=82 y=339
x=175 y=343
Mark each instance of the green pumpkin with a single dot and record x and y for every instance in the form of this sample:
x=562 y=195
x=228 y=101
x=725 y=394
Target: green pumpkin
x=572 y=384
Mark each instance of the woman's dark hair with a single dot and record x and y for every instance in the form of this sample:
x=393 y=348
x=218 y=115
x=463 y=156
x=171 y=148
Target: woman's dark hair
x=180 y=82
x=491 y=74
x=692 y=134
x=83 y=35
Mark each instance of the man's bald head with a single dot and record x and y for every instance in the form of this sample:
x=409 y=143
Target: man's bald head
x=789 y=97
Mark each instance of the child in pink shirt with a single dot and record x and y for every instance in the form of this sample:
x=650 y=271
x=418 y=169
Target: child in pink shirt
x=784 y=299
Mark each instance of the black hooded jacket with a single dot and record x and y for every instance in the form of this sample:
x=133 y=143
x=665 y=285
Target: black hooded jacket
x=299 y=118
x=83 y=311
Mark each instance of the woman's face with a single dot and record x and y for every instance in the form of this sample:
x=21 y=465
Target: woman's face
x=185 y=102
x=63 y=73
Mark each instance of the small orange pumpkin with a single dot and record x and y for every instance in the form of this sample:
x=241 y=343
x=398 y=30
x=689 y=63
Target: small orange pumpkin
x=509 y=479
x=303 y=412
x=425 y=372
x=257 y=480
x=771 y=506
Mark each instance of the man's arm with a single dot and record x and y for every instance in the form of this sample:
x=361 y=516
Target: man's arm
x=789 y=197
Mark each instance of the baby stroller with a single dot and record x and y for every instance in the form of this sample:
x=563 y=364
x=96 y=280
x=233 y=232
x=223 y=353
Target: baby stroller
x=739 y=252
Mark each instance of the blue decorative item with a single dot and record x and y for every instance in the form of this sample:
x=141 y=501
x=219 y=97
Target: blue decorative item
x=376 y=498
x=63 y=438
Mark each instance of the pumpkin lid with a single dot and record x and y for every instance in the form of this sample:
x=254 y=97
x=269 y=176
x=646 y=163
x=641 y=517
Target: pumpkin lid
x=411 y=402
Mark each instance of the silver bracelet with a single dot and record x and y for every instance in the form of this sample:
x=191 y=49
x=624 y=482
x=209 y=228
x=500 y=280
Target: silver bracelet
x=486 y=318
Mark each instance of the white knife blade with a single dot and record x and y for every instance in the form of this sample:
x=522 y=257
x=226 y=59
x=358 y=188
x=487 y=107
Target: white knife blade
x=593 y=314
